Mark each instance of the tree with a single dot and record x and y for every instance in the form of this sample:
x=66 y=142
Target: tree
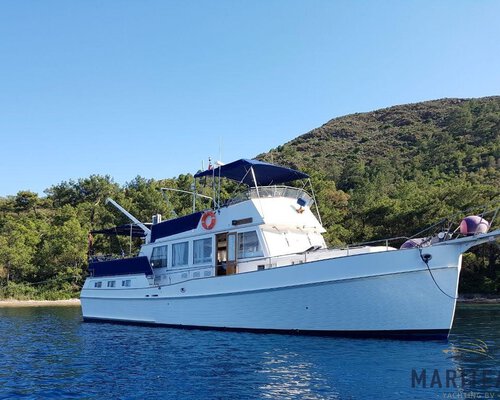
x=63 y=248
x=353 y=174
x=26 y=201
x=19 y=240
x=144 y=198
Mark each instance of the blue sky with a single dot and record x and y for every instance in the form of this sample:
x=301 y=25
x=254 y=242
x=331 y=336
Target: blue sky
x=151 y=88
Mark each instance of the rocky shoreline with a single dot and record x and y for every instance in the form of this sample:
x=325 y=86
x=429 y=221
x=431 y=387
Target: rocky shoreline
x=479 y=300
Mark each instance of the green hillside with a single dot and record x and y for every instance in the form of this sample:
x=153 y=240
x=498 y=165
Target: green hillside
x=394 y=171
x=380 y=174
x=449 y=136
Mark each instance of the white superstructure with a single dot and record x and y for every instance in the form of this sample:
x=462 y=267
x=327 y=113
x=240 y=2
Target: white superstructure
x=260 y=263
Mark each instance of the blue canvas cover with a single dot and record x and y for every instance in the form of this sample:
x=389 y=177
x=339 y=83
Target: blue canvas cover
x=265 y=173
x=123 y=266
x=175 y=226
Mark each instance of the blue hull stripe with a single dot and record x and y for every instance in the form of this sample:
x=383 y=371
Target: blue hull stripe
x=410 y=334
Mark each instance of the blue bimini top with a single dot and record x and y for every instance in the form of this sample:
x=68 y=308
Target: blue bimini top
x=265 y=173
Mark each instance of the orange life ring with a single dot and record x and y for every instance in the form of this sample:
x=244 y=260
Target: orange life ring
x=205 y=217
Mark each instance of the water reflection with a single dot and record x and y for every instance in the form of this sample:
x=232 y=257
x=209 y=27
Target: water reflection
x=290 y=376
x=49 y=353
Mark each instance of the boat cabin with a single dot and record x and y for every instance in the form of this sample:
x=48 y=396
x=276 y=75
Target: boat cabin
x=267 y=225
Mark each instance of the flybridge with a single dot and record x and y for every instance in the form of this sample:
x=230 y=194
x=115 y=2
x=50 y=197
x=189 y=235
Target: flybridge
x=267 y=219
x=257 y=175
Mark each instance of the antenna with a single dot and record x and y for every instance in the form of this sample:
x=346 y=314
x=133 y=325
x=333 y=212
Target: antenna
x=220 y=147
x=210 y=167
x=219 y=165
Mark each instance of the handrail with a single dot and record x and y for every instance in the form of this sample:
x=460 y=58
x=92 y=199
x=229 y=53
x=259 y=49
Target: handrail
x=460 y=214
x=385 y=241
x=432 y=228
x=270 y=191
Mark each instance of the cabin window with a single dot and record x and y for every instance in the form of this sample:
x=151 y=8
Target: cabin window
x=126 y=283
x=111 y=283
x=248 y=245
x=98 y=284
x=180 y=254
x=159 y=257
x=202 y=251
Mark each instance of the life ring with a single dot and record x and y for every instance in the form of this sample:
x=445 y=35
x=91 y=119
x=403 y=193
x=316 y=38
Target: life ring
x=205 y=217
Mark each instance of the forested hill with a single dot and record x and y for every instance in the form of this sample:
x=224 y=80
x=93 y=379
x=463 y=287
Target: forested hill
x=394 y=171
x=448 y=136
x=385 y=173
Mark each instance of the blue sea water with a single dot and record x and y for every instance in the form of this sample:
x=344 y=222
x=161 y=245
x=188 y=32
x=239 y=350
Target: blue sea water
x=49 y=353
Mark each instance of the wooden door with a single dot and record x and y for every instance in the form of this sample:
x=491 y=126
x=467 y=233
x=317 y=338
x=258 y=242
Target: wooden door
x=231 y=253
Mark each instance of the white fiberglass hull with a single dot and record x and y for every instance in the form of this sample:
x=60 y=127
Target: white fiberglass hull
x=379 y=294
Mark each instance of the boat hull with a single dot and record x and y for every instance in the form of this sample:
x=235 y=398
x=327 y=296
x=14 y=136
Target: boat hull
x=387 y=294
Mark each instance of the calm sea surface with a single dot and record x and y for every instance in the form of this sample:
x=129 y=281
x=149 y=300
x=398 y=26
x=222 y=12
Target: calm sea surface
x=48 y=352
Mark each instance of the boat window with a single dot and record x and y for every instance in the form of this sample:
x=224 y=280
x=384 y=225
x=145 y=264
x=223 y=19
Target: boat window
x=159 y=257
x=98 y=284
x=126 y=283
x=248 y=245
x=231 y=248
x=111 y=283
x=202 y=251
x=180 y=253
